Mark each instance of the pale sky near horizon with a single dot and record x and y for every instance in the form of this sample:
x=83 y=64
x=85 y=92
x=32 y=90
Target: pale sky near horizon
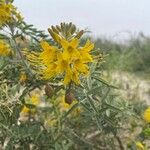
x=102 y=17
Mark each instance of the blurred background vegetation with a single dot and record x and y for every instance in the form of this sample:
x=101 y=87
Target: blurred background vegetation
x=131 y=56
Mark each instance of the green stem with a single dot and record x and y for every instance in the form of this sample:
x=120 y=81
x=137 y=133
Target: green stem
x=18 y=50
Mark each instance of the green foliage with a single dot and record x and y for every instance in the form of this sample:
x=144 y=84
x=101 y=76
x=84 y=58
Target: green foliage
x=132 y=56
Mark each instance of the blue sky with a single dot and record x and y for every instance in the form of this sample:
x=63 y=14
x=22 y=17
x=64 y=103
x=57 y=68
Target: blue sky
x=102 y=17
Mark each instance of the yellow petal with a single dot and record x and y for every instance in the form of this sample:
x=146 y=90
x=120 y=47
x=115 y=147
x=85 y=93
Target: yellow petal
x=146 y=115
x=80 y=66
x=86 y=57
x=75 y=77
x=68 y=76
x=64 y=44
x=88 y=46
x=74 y=43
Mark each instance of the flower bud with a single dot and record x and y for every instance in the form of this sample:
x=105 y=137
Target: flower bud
x=54 y=35
x=58 y=28
x=54 y=29
x=79 y=34
x=73 y=29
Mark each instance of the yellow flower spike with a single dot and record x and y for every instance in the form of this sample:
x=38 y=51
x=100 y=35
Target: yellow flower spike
x=140 y=146
x=146 y=115
x=4 y=48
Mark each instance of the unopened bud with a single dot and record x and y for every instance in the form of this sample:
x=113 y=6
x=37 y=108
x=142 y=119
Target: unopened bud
x=62 y=26
x=50 y=32
x=70 y=24
x=73 y=29
x=58 y=28
x=54 y=29
x=79 y=34
x=54 y=35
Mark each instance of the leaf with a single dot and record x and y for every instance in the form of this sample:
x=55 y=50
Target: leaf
x=105 y=82
x=70 y=110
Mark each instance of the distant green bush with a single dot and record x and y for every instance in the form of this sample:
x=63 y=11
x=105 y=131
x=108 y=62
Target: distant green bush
x=132 y=56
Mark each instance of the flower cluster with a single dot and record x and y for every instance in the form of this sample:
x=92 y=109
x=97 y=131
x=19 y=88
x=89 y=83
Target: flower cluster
x=8 y=13
x=5 y=13
x=68 y=59
x=4 y=48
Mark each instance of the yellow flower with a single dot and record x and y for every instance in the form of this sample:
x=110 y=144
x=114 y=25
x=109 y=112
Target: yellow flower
x=23 y=77
x=48 y=71
x=70 y=51
x=5 y=13
x=48 y=55
x=80 y=66
x=25 y=110
x=140 y=146
x=34 y=100
x=53 y=62
x=68 y=60
x=146 y=115
x=4 y=48
x=84 y=52
x=8 y=13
